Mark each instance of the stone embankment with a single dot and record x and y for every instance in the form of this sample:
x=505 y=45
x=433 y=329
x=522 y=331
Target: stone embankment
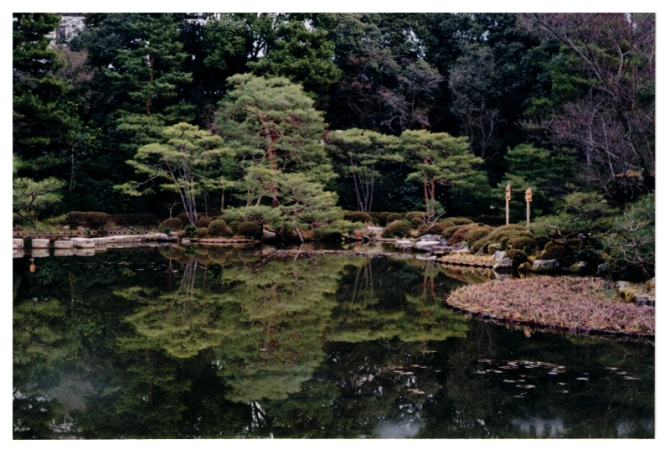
x=39 y=248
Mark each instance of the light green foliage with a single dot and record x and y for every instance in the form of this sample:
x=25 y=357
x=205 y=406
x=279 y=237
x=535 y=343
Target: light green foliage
x=272 y=123
x=261 y=214
x=360 y=151
x=581 y=212
x=438 y=158
x=30 y=198
x=187 y=161
x=631 y=242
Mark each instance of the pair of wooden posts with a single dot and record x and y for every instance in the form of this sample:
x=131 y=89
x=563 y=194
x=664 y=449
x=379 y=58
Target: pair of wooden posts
x=508 y=197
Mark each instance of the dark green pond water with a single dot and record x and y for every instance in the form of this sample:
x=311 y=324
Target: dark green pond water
x=162 y=343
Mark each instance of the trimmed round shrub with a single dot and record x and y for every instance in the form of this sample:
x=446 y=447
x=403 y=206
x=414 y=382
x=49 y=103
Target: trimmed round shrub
x=446 y=222
x=476 y=234
x=233 y=225
x=357 y=216
x=564 y=255
x=512 y=234
x=437 y=228
x=459 y=236
x=190 y=230
x=523 y=243
x=501 y=235
x=448 y=232
x=460 y=220
x=219 y=228
x=422 y=229
x=415 y=215
x=250 y=229
x=516 y=256
x=392 y=217
x=416 y=222
x=202 y=232
x=204 y=222
x=173 y=224
x=380 y=216
x=91 y=219
x=397 y=228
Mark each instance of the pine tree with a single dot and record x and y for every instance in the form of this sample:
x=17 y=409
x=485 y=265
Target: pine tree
x=43 y=117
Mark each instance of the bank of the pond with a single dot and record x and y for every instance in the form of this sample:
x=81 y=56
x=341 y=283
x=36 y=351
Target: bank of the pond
x=565 y=303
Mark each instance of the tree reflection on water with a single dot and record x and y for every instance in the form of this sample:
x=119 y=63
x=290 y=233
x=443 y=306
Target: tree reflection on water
x=212 y=342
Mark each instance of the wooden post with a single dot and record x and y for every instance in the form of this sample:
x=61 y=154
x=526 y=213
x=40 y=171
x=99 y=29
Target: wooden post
x=508 y=196
x=529 y=198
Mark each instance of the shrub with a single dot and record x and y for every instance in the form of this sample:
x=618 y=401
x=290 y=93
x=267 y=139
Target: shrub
x=448 y=232
x=416 y=222
x=90 y=219
x=184 y=218
x=459 y=236
x=219 y=228
x=561 y=253
x=392 y=217
x=460 y=220
x=500 y=235
x=328 y=235
x=475 y=234
x=522 y=243
x=397 y=228
x=134 y=220
x=203 y=222
x=415 y=215
x=190 y=230
x=202 y=232
x=357 y=216
x=446 y=222
x=250 y=229
x=233 y=225
x=380 y=216
x=173 y=224
x=438 y=228
x=516 y=256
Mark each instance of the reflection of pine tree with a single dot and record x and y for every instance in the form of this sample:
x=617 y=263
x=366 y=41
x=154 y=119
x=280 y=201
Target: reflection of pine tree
x=384 y=298
x=285 y=309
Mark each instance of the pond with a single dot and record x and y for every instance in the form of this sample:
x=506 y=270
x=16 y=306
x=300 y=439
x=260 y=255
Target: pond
x=169 y=342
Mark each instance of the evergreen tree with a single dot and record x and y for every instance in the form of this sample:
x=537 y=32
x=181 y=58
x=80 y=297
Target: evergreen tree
x=43 y=116
x=188 y=160
x=438 y=158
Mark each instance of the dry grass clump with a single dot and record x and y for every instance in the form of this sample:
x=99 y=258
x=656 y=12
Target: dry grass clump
x=576 y=304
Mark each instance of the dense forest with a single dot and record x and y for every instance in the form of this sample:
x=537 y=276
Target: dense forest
x=297 y=117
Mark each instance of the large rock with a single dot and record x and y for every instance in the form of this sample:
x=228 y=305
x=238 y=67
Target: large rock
x=403 y=243
x=426 y=245
x=268 y=235
x=63 y=244
x=504 y=265
x=545 y=266
x=603 y=270
x=636 y=293
x=40 y=243
x=581 y=268
x=492 y=248
x=498 y=255
x=430 y=237
x=440 y=249
x=460 y=246
x=83 y=243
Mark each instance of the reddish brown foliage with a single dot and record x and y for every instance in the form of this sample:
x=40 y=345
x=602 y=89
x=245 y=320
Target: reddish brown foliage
x=564 y=302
